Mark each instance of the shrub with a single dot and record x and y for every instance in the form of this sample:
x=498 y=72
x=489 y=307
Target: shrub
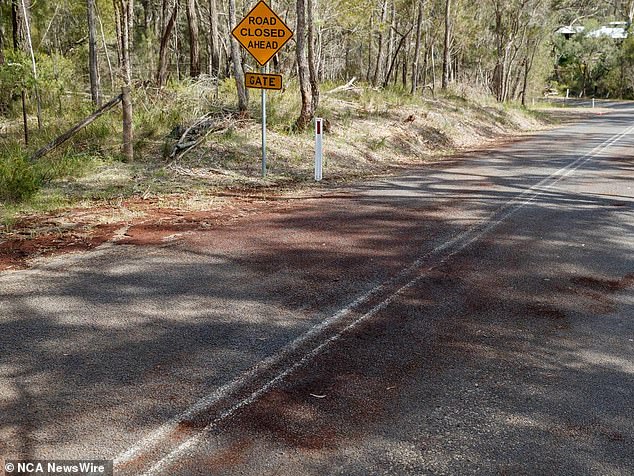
x=19 y=179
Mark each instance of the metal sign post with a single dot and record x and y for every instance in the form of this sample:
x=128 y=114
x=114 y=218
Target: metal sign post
x=319 y=147
x=262 y=33
x=264 y=128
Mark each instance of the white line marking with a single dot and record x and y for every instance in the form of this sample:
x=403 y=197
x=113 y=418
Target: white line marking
x=471 y=235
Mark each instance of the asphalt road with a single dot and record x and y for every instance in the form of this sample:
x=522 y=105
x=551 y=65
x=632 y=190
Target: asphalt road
x=470 y=318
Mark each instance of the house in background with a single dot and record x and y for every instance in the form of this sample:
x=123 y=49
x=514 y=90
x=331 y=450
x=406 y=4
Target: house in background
x=569 y=31
x=616 y=30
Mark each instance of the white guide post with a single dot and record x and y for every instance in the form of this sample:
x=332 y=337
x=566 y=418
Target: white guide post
x=319 y=147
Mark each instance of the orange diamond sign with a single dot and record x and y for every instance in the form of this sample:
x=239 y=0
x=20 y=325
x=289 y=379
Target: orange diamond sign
x=262 y=33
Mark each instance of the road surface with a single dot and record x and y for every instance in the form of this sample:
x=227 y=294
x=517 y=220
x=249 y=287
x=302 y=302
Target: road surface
x=474 y=317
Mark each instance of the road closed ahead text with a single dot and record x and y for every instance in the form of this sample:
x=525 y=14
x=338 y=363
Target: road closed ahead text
x=262 y=33
x=254 y=31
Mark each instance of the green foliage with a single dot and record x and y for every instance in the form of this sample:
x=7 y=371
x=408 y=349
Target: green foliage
x=56 y=77
x=19 y=179
x=70 y=164
x=14 y=75
x=282 y=107
x=594 y=66
x=627 y=65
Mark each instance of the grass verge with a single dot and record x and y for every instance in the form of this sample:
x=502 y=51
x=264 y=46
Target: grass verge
x=371 y=132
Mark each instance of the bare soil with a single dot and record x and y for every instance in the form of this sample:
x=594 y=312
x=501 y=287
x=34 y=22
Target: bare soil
x=375 y=143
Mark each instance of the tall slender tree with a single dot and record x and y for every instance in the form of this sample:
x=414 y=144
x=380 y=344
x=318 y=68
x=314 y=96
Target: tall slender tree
x=312 y=70
x=214 y=39
x=17 y=22
x=19 y=34
x=419 y=24
x=379 y=54
x=194 y=42
x=446 y=46
x=306 y=111
x=169 y=21
x=236 y=60
x=93 y=66
x=1 y=44
x=124 y=12
x=29 y=44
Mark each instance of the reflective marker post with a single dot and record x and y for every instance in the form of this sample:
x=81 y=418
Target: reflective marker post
x=319 y=138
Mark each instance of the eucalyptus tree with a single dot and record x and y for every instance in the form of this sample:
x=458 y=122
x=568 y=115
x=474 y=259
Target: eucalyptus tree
x=306 y=112
x=93 y=65
x=168 y=20
x=236 y=60
x=124 y=14
x=194 y=47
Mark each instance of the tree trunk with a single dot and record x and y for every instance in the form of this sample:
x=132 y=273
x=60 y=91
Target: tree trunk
x=390 y=41
x=29 y=43
x=124 y=10
x=379 y=53
x=433 y=69
x=214 y=39
x=306 y=112
x=314 y=83
x=105 y=49
x=128 y=19
x=498 y=72
x=161 y=73
x=92 y=54
x=194 y=48
x=405 y=68
x=238 y=72
x=527 y=69
x=419 y=24
x=117 y=25
x=1 y=45
x=425 y=62
x=128 y=148
x=17 y=22
x=446 y=46
x=371 y=25
x=395 y=57
x=529 y=65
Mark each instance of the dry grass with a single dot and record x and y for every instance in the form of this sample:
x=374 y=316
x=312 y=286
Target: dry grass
x=368 y=137
x=372 y=133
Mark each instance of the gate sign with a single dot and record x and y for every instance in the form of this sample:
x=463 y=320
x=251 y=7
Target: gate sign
x=262 y=33
x=263 y=81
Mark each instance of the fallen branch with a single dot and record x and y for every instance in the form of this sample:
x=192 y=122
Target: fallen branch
x=185 y=144
x=180 y=144
x=195 y=144
x=345 y=87
x=54 y=144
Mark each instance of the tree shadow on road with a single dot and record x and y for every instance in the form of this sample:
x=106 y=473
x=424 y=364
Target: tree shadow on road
x=98 y=353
